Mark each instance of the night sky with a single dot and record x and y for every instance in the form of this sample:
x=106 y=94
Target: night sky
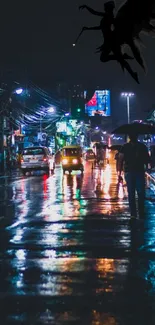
x=37 y=37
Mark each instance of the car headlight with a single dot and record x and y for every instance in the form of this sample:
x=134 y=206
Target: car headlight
x=64 y=161
x=75 y=161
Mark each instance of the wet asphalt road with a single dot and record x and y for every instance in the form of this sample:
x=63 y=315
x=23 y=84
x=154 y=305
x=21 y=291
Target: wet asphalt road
x=69 y=253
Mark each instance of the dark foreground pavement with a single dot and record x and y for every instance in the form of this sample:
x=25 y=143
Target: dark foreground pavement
x=69 y=253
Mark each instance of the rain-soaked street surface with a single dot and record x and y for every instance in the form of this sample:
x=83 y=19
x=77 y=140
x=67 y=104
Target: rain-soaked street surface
x=69 y=253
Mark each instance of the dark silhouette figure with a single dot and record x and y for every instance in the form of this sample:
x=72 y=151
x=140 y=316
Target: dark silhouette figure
x=107 y=21
x=132 y=18
x=110 y=45
x=133 y=158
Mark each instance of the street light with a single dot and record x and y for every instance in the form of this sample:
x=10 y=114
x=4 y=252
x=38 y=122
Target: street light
x=128 y=96
x=19 y=91
x=51 y=109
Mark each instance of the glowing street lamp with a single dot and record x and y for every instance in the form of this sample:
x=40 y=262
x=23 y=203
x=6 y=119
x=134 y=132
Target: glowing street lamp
x=19 y=91
x=51 y=109
x=128 y=96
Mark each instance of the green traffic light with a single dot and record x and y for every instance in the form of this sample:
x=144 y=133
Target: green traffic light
x=60 y=141
x=78 y=110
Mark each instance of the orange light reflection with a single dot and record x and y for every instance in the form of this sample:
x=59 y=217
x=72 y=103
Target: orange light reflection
x=120 y=191
x=102 y=318
x=107 y=181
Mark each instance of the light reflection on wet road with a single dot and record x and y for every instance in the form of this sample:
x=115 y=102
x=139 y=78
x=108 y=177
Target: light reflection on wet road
x=69 y=254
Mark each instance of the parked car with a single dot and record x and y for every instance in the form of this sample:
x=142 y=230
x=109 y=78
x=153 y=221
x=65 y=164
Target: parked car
x=37 y=158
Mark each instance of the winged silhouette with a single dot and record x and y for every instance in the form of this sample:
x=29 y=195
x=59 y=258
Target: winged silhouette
x=132 y=18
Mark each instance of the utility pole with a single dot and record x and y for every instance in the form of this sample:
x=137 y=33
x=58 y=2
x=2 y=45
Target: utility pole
x=2 y=144
x=128 y=108
x=128 y=96
x=40 y=124
x=3 y=123
x=70 y=102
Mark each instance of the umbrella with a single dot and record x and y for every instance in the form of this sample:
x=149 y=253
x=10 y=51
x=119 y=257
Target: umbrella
x=135 y=128
x=115 y=147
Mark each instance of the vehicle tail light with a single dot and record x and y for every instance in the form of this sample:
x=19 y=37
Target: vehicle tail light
x=45 y=159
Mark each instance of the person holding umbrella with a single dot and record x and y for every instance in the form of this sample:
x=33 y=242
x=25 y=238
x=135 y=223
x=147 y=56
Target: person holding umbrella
x=134 y=159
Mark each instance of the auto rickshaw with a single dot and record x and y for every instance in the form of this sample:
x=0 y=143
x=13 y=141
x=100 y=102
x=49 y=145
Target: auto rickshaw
x=72 y=159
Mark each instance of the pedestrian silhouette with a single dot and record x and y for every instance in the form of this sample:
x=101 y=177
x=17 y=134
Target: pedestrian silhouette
x=133 y=159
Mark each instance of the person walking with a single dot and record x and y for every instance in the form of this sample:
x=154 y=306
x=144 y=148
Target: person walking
x=133 y=160
x=120 y=178
x=117 y=162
